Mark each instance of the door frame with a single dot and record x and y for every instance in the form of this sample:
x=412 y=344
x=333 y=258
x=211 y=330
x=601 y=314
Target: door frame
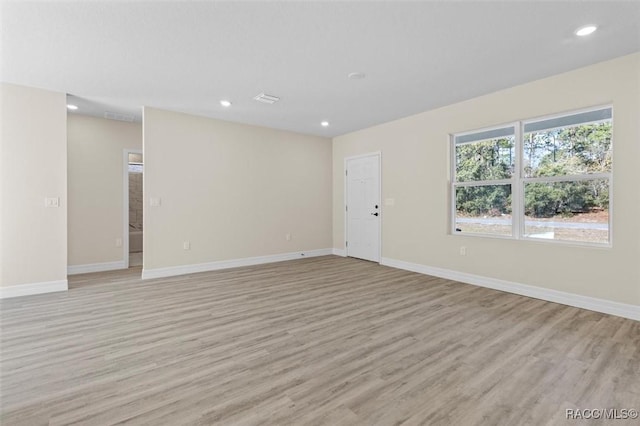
x=125 y=203
x=345 y=201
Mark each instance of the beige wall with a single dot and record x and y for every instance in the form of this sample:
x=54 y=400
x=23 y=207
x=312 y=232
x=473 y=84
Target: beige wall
x=232 y=190
x=95 y=164
x=33 y=165
x=415 y=172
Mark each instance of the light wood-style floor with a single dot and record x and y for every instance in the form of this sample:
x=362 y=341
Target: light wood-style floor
x=323 y=340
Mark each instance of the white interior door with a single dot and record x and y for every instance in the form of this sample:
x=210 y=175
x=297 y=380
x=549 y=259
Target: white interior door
x=363 y=208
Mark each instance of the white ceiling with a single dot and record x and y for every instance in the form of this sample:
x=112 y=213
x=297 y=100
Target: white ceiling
x=186 y=56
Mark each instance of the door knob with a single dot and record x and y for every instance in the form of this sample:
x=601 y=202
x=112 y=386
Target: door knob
x=375 y=214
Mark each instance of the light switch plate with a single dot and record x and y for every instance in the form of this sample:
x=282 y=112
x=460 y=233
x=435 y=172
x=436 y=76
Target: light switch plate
x=155 y=202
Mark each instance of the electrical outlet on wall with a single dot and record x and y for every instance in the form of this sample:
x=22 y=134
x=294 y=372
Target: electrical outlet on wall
x=118 y=242
x=186 y=245
x=287 y=237
x=52 y=202
x=463 y=251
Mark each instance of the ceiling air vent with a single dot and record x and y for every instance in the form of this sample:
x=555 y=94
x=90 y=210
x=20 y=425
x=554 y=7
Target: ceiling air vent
x=267 y=99
x=120 y=117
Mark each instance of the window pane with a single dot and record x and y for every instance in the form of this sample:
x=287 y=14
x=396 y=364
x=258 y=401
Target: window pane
x=485 y=160
x=569 y=211
x=573 y=150
x=569 y=120
x=485 y=135
x=484 y=209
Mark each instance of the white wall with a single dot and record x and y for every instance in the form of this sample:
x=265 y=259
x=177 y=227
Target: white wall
x=33 y=165
x=95 y=165
x=415 y=171
x=232 y=190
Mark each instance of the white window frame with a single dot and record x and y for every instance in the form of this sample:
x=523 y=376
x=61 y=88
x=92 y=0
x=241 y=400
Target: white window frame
x=518 y=181
x=455 y=184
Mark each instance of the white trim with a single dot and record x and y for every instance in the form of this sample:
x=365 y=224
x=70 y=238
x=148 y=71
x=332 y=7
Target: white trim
x=517 y=190
x=95 y=267
x=125 y=203
x=472 y=183
x=567 y=178
x=125 y=207
x=571 y=299
x=33 y=288
x=232 y=263
x=450 y=183
x=339 y=252
x=344 y=211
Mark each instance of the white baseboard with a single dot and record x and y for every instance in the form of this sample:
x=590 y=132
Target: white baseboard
x=591 y=303
x=233 y=263
x=339 y=252
x=33 y=288
x=95 y=267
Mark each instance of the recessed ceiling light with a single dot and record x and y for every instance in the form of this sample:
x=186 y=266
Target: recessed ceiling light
x=356 y=76
x=325 y=124
x=586 y=30
x=225 y=103
x=72 y=107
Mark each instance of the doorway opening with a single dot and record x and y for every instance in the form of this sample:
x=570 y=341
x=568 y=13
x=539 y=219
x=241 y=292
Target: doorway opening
x=134 y=168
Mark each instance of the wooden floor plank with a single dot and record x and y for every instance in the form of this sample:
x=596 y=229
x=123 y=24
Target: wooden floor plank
x=324 y=341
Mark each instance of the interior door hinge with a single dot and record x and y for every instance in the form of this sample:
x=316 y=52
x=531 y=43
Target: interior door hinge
x=346 y=208
x=346 y=243
x=346 y=172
